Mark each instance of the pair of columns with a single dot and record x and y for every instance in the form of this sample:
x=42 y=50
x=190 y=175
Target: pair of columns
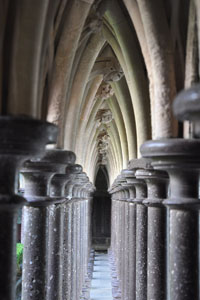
x=21 y=138
x=163 y=238
x=55 y=227
x=79 y=258
x=138 y=218
x=47 y=212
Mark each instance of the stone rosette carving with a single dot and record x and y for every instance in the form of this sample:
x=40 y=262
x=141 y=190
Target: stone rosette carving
x=110 y=68
x=104 y=116
x=103 y=135
x=102 y=159
x=104 y=92
x=102 y=146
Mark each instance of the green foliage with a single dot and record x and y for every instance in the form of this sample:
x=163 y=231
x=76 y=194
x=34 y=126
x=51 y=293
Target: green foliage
x=20 y=248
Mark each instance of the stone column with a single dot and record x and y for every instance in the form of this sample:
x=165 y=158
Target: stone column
x=127 y=192
x=56 y=228
x=141 y=234
x=123 y=241
x=131 y=232
x=68 y=249
x=81 y=181
x=157 y=183
x=180 y=158
x=21 y=138
x=74 y=269
x=87 y=251
x=115 y=238
x=37 y=175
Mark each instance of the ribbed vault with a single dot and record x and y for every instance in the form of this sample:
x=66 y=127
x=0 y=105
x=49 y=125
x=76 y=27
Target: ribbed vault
x=104 y=71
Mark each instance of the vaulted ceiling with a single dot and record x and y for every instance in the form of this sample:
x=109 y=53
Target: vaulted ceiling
x=104 y=71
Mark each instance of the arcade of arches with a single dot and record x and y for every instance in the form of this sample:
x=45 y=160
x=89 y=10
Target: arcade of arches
x=99 y=148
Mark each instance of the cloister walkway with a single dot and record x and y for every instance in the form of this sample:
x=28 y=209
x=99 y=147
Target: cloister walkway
x=101 y=288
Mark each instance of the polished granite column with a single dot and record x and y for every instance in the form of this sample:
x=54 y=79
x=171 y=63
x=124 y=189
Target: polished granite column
x=21 y=138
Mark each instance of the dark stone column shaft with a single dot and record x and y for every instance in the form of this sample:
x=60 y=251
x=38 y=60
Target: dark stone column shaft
x=126 y=249
x=157 y=183
x=180 y=159
x=132 y=250
x=67 y=248
x=35 y=257
x=141 y=252
x=21 y=138
x=55 y=256
x=141 y=241
x=8 y=220
x=183 y=224
x=37 y=175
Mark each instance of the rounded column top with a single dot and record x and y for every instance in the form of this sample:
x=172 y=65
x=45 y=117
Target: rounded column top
x=25 y=136
x=59 y=156
x=75 y=169
x=151 y=174
x=174 y=147
x=186 y=105
x=41 y=166
x=127 y=173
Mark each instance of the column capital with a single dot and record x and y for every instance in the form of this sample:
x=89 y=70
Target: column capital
x=186 y=107
x=157 y=183
x=180 y=158
x=38 y=173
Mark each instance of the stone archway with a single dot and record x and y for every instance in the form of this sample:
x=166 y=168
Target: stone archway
x=101 y=212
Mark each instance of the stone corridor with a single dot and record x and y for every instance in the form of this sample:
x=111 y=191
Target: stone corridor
x=99 y=149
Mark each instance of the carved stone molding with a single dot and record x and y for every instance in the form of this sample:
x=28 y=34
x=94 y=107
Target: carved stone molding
x=103 y=136
x=102 y=159
x=104 y=92
x=109 y=67
x=102 y=145
x=104 y=116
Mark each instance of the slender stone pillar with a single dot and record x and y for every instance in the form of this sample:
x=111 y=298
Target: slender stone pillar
x=141 y=232
x=157 y=183
x=76 y=243
x=68 y=250
x=138 y=165
x=123 y=242
x=86 y=241
x=181 y=159
x=56 y=228
x=21 y=138
x=141 y=246
x=80 y=181
x=131 y=232
x=115 y=190
x=37 y=175
x=132 y=249
x=129 y=192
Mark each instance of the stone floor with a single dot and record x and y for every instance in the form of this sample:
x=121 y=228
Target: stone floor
x=101 y=288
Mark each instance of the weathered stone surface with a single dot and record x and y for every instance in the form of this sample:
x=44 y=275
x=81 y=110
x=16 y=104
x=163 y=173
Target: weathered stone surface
x=21 y=138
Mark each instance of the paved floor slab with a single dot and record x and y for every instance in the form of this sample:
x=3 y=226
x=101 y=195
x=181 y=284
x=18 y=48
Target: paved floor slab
x=101 y=288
